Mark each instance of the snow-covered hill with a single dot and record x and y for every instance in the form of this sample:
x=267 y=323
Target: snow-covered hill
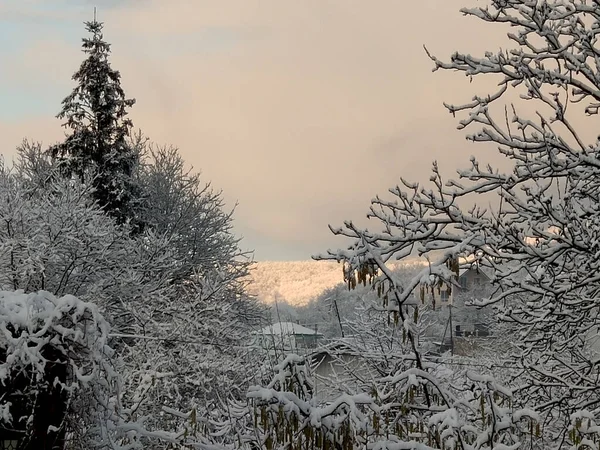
x=295 y=282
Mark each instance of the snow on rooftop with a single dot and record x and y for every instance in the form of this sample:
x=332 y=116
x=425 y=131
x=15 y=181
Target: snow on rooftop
x=286 y=328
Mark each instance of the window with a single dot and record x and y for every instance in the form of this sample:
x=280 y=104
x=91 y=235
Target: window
x=463 y=282
x=444 y=296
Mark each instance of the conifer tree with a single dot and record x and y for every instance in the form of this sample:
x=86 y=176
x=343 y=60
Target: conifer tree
x=96 y=114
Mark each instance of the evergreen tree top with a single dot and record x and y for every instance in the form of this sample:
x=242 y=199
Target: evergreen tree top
x=98 y=98
x=95 y=28
x=96 y=114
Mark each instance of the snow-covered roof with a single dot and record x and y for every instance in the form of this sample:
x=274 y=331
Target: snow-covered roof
x=286 y=328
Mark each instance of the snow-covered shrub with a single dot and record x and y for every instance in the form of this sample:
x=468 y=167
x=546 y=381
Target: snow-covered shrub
x=56 y=373
x=286 y=415
x=183 y=332
x=431 y=409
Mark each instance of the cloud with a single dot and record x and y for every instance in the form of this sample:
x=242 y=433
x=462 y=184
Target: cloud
x=300 y=111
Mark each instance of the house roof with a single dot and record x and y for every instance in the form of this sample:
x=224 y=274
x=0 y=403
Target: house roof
x=287 y=328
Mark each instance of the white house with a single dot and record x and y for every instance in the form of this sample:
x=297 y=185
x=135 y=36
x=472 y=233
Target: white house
x=287 y=337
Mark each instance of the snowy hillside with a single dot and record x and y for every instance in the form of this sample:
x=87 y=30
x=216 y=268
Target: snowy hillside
x=296 y=282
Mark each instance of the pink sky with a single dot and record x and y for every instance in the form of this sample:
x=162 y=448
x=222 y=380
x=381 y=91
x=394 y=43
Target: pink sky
x=301 y=111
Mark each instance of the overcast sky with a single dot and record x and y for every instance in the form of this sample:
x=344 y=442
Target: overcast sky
x=301 y=111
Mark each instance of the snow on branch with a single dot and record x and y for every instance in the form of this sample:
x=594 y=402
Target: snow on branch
x=55 y=365
x=538 y=234
x=58 y=378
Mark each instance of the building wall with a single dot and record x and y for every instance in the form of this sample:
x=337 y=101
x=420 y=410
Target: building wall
x=470 y=320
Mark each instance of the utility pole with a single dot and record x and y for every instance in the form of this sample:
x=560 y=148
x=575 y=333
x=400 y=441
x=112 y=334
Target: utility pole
x=337 y=312
x=451 y=332
x=94 y=14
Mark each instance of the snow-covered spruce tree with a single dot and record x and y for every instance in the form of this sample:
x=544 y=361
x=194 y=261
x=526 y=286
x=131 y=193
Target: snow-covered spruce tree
x=541 y=239
x=172 y=287
x=96 y=114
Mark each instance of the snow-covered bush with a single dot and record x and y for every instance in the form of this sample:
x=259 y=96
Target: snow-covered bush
x=286 y=415
x=429 y=409
x=57 y=379
x=181 y=324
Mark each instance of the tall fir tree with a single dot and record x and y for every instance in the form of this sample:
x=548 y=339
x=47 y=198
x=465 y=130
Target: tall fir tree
x=96 y=114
